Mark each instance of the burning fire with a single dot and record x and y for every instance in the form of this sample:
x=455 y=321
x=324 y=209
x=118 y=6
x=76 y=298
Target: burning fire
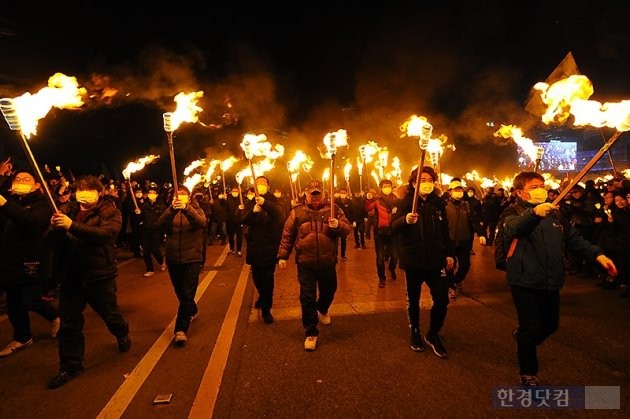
x=569 y=96
x=512 y=131
x=186 y=111
x=138 y=165
x=62 y=92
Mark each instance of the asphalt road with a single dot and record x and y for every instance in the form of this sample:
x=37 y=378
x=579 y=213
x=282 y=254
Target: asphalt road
x=235 y=366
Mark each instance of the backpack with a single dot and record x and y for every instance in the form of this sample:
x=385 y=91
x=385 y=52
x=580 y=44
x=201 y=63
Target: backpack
x=503 y=252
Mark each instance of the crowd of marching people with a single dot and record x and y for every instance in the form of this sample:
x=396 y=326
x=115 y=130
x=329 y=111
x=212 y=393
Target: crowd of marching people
x=423 y=228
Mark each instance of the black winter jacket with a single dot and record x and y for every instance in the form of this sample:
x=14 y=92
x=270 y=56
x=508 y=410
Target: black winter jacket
x=184 y=233
x=23 y=222
x=425 y=244
x=87 y=251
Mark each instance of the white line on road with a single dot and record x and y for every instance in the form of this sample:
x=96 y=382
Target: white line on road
x=127 y=391
x=203 y=405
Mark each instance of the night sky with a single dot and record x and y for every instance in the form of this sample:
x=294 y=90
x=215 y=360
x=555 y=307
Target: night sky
x=298 y=72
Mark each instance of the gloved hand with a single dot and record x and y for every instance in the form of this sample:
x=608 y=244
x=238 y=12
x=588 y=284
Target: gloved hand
x=369 y=196
x=607 y=264
x=260 y=200
x=544 y=210
x=257 y=208
x=282 y=264
x=354 y=224
x=482 y=240
x=450 y=262
x=3 y=200
x=411 y=218
x=61 y=221
x=241 y=207
x=137 y=211
x=333 y=223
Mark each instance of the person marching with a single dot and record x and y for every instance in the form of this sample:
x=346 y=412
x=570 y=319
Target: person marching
x=314 y=234
x=425 y=249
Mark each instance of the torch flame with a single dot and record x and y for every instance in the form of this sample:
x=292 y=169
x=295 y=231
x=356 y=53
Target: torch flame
x=569 y=96
x=186 y=111
x=346 y=170
x=334 y=140
x=62 y=92
x=507 y=131
x=258 y=146
x=139 y=164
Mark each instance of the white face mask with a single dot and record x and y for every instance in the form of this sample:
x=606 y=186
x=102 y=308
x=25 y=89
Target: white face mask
x=537 y=196
x=152 y=196
x=183 y=199
x=457 y=195
x=21 y=188
x=386 y=191
x=277 y=194
x=250 y=196
x=343 y=195
x=426 y=188
x=235 y=194
x=139 y=195
x=470 y=194
x=87 y=197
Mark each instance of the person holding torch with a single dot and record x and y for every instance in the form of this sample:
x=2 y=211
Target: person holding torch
x=425 y=248
x=535 y=271
x=314 y=234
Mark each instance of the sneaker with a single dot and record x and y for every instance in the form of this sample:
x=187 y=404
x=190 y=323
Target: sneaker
x=452 y=294
x=435 y=342
x=15 y=346
x=163 y=266
x=54 y=327
x=529 y=380
x=381 y=283
x=267 y=318
x=310 y=344
x=416 y=340
x=230 y=252
x=324 y=318
x=180 y=338
x=124 y=343
x=239 y=253
x=148 y=274
x=345 y=259
x=63 y=377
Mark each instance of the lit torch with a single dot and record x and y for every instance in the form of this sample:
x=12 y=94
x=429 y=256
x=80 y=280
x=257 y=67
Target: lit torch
x=257 y=146
x=569 y=97
x=332 y=141
x=23 y=113
x=346 y=175
x=133 y=167
x=225 y=166
x=418 y=126
x=186 y=111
